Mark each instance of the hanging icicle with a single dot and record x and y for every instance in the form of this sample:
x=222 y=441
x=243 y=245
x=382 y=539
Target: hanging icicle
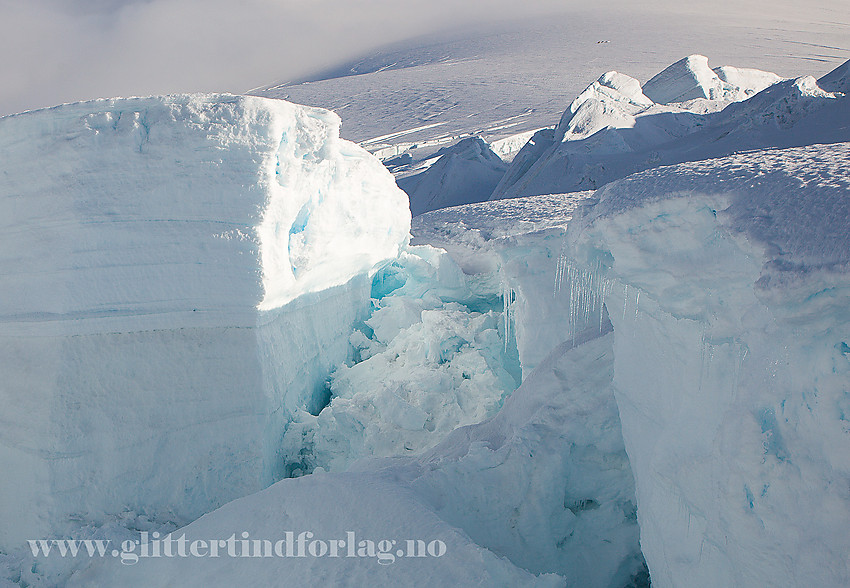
x=508 y=298
x=587 y=288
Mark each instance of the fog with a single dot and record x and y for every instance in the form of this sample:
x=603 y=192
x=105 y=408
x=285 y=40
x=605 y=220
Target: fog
x=56 y=51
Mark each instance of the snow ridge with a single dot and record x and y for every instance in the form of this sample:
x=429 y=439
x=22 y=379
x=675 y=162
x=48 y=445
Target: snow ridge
x=612 y=129
x=465 y=172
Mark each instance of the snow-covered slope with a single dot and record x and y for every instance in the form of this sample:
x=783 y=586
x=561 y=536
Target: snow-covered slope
x=504 y=83
x=838 y=80
x=179 y=275
x=465 y=172
x=378 y=510
x=612 y=129
x=729 y=290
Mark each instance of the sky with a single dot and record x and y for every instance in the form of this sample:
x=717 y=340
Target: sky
x=56 y=51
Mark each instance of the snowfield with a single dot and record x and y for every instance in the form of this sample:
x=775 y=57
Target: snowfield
x=616 y=127
x=630 y=364
x=501 y=82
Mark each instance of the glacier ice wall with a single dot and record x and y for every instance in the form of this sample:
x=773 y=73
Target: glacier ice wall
x=729 y=295
x=179 y=274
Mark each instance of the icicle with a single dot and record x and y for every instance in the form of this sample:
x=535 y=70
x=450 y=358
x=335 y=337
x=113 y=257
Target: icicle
x=560 y=268
x=703 y=368
x=605 y=290
x=504 y=315
x=588 y=290
x=741 y=355
x=508 y=296
x=625 y=301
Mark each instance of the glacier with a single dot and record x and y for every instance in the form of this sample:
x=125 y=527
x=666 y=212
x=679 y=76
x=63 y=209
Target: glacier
x=693 y=414
x=582 y=388
x=702 y=310
x=493 y=83
x=179 y=276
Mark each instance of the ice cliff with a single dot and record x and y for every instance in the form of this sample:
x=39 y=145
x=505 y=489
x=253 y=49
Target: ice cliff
x=179 y=275
x=728 y=290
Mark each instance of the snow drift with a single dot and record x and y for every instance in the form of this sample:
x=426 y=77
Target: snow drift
x=179 y=275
